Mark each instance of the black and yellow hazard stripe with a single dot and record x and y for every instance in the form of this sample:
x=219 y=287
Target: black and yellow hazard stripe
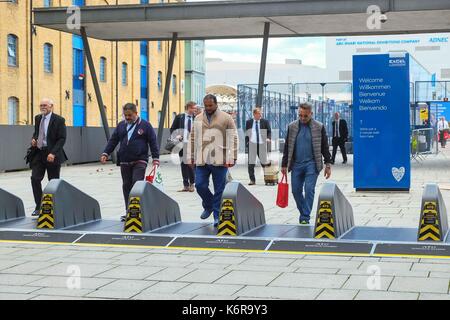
x=325 y=222
x=46 y=218
x=133 y=222
x=429 y=223
x=227 y=223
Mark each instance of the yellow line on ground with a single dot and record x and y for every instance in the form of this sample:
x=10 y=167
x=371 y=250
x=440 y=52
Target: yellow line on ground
x=215 y=249
x=116 y=245
x=322 y=253
x=409 y=256
x=34 y=242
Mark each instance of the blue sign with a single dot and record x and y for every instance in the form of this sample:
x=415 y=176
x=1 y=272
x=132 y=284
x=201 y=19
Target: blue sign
x=381 y=127
x=440 y=109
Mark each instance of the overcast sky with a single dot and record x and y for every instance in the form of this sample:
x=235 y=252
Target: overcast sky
x=310 y=50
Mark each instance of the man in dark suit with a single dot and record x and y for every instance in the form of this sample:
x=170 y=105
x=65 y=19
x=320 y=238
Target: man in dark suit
x=257 y=138
x=48 y=140
x=181 y=128
x=340 y=136
x=135 y=135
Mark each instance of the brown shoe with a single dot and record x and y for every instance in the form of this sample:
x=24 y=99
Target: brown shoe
x=191 y=188
x=185 y=189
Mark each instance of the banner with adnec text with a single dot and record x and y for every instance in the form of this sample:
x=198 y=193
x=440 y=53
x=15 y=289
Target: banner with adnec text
x=381 y=125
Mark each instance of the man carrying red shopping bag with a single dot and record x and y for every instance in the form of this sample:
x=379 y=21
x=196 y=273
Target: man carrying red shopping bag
x=135 y=135
x=305 y=148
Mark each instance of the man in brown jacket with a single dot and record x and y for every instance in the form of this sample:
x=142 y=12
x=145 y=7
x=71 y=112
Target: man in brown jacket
x=213 y=149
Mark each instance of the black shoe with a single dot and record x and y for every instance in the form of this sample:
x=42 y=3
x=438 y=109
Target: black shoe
x=252 y=183
x=332 y=162
x=344 y=162
x=123 y=218
x=35 y=213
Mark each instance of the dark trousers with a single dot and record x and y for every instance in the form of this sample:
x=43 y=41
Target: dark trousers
x=188 y=174
x=339 y=142
x=131 y=173
x=256 y=150
x=39 y=165
x=442 y=138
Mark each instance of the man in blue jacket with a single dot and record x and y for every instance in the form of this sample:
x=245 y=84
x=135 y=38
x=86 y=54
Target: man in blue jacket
x=135 y=135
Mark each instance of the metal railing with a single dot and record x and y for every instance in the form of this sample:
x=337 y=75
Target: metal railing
x=431 y=90
x=423 y=142
x=281 y=100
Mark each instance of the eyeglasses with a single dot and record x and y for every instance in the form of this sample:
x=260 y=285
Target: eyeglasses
x=44 y=105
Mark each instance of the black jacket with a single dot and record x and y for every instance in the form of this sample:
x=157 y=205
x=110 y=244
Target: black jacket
x=56 y=136
x=178 y=127
x=264 y=126
x=343 y=129
x=178 y=123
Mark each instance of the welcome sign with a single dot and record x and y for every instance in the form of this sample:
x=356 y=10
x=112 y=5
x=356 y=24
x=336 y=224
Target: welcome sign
x=381 y=127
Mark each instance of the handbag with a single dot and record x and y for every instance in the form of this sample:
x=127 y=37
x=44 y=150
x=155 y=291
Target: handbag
x=171 y=143
x=283 y=192
x=31 y=153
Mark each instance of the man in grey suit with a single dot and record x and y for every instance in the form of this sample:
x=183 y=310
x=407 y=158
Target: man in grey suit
x=305 y=151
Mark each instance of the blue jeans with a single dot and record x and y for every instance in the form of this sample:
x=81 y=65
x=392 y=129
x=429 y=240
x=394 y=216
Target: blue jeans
x=211 y=202
x=304 y=176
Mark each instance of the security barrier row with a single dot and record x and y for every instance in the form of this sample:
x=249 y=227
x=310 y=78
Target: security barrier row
x=64 y=207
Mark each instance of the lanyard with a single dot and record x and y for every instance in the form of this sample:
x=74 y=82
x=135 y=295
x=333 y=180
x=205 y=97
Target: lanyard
x=131 y=128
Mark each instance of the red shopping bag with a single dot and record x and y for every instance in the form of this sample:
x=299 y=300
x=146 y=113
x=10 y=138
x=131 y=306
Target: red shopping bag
x=151 y=176
x=283 y=192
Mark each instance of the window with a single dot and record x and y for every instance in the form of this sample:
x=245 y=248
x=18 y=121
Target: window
x=12 y=50
x=48 y=58
x=48 y=3
x=174 y=84
x=103 y=69
x=124 y=74
x=159 y=80
x=13 y=111
x=159 y=46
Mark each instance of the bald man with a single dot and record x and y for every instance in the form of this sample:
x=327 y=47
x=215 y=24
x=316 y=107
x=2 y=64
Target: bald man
x=48 y=140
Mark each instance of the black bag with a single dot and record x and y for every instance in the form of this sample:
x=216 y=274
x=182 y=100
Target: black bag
x=31 y=153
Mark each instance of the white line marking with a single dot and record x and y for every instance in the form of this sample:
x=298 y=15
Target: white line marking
x=171 y=241
x=76 y=240
x=269 y=245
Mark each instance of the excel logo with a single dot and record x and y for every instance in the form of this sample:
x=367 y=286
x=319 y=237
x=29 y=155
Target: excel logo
x=397 y=62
